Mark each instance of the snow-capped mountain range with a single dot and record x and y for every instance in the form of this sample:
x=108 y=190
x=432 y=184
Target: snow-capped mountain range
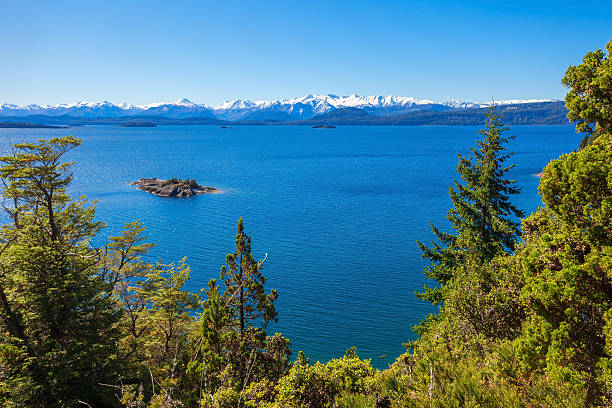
x=287 y=109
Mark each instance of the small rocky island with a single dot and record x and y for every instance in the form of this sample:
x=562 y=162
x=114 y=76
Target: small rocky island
x=173 y=187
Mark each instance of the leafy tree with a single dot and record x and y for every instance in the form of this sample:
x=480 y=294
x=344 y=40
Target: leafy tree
x=157 y=322
x=590 y=97
x=53 y=315
x=123 y=270
x=169 y=315
x=567 y=264
x=481 y=214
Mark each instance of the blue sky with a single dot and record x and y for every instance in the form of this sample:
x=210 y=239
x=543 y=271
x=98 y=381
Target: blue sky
x=209 y=51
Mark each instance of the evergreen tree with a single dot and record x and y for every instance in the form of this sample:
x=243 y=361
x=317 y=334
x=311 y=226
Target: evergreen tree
x=481 y=214
x=233 y=348
x=567 y=265
x=590 y=97
x=52 y=306
x=244 y=286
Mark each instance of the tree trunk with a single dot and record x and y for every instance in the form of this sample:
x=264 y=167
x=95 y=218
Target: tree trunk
x=241 y=300
x=12 y=320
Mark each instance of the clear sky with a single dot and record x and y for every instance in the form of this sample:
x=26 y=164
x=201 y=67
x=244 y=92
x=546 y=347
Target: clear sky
x=209 y=51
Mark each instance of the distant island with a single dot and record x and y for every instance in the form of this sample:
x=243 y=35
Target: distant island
x=172 y=187
x=144 y=124
x=25 y=125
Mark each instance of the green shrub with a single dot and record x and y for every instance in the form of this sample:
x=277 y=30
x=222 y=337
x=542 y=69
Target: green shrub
x=318 y=385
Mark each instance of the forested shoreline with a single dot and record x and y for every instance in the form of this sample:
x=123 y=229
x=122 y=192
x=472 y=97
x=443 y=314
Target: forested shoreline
x=524 y=311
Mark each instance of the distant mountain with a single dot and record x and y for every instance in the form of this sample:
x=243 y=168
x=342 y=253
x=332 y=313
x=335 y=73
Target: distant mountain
x=234 y=110
x=77 y=109
x=313 y=105
x=118 y=120
x=534 y=113
x=294 y=109
x=183 y=108
x=538 y=113
x=351 y=109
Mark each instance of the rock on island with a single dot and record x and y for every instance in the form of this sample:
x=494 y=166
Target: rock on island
x=173 y=187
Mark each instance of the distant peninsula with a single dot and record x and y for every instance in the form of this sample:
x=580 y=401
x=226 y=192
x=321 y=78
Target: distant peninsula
x=172 y=187
x=25 y=125
x=144 y=124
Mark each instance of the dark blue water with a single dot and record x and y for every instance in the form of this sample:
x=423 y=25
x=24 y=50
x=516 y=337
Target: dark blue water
x=337 y=211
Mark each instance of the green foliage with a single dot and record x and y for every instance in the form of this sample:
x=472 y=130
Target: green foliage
x=521 y=329
x=536 y=319
x=481 y=212
x=484 y=298
x=467 y=380
x=244 y=286
x=260 y=394
x=169 y=306
x=521 y=325
x=590 y=97
x=186 y=182
x=576 y=188
x=566 y=264
x=15 y=381
x=350 y=400
x=319 y=385
x=53 y=303
x=77 y=321
x=235 y=359
x=530 y=327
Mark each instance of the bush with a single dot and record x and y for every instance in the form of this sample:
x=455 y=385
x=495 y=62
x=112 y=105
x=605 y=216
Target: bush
x=318 y=385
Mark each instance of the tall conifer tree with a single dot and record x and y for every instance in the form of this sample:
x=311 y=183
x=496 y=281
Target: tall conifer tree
x=244 y=282
x=481 y=215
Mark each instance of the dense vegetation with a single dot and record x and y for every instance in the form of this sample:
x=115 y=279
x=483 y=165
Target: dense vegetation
x=174 y=180
x=543 y=113
x=524 y=320
x=589 y=100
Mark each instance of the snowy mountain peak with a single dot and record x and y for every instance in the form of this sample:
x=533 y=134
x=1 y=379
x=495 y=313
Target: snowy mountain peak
x=298 y=108
x=183 y=102
x=235 y=104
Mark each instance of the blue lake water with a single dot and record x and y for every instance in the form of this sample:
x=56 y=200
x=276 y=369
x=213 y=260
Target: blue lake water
x=337 y=211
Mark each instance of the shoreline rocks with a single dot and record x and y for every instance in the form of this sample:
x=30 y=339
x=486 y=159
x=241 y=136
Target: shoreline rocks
x=173 y=187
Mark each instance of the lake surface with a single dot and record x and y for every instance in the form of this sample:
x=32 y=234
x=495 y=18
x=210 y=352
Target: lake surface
x=337 y=211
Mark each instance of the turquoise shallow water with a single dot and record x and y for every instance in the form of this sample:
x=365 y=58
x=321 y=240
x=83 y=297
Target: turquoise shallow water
x=337 y=210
